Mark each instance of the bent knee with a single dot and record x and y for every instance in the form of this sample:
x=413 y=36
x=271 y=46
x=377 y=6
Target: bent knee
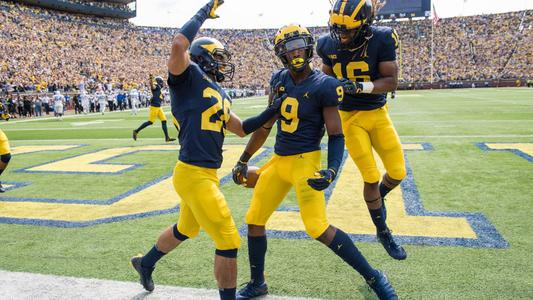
x=397 y=173
x=316 y=229
x=371 y=175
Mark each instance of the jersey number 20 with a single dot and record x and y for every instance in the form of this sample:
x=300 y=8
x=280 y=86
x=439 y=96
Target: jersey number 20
x=209 y=121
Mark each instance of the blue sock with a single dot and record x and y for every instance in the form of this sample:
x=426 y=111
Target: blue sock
x=227 y=294
x=379 y=216
x=151 y=257
x=383 y=190
x=343 y=246
x=257 y=246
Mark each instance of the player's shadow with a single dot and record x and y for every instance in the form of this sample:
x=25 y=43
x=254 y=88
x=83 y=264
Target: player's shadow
x=141 y=295
x=366 y=293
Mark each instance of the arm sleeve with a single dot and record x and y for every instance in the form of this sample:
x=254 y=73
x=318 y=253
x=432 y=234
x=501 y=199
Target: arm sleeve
x=335 y=152
x=389 y=42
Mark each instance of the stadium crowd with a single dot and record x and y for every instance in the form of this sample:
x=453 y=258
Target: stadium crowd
x=102 y=4
x=45 y=50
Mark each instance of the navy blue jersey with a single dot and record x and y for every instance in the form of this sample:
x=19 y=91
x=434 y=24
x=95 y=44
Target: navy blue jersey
x=201 y=108
x=301 y=122
x=157 y=95
x=357 y=66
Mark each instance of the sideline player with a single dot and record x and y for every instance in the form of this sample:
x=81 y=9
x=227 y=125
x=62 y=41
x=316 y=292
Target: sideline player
x=156 y=112
x=311 y=99
x=5 y=150
x=202 y=109
x=59 y=102
x=363 y=57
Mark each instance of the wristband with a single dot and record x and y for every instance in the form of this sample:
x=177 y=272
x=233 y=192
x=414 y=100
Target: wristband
x=368 y=87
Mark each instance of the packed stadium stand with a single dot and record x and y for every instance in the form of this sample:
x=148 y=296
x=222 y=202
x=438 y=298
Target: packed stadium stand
x=48 y=48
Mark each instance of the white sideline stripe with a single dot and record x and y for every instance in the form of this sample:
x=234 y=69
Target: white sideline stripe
x=75 y=116
x=238 y=138
x=18 y=285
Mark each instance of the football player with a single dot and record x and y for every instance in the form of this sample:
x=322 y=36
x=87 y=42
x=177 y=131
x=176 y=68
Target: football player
x=156 y=112
x=59 y=101
x=363 y=57
x=310 y=102
x=134 y=98
x=202 y=109
x=5 y=151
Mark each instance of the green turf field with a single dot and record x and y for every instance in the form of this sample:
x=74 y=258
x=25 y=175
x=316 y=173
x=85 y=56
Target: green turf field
x=476 y=162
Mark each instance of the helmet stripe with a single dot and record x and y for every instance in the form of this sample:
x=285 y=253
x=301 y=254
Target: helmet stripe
x=358 y=8
x=343 y=6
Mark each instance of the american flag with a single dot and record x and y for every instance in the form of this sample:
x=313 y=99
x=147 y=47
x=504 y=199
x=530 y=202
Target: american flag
x=436 y=18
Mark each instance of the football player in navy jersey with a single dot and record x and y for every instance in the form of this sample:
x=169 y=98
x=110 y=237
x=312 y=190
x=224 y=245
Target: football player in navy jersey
x=310 y=102
x=363 y=57
x=156 y=112
x=201 y=108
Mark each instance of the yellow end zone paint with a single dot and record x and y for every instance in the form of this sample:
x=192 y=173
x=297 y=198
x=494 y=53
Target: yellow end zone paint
x=87 y=163
x=156 y=197
x=523 y=147
x=30 y=149
x=347 y=210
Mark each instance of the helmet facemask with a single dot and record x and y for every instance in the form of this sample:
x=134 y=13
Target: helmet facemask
x=359 y=36
x=352 y=18
x=299 y=41
x=224 y=70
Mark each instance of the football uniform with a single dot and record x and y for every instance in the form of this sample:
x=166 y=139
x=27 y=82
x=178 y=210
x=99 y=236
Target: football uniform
x=58 y=104
x=101 y=99
x=297 y=151
x=156 y=112
x=85 y=102
x=4 y=142
x=201 y=108
x=365 y=119
x=134 y=97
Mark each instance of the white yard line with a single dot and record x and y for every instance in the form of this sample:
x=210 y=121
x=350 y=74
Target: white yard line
x=73 y=116
x=235 y=138
x=18 y=285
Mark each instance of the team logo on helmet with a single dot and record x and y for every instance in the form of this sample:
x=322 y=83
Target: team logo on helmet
x=293 y=37
x=349 y=22
x=213 y=58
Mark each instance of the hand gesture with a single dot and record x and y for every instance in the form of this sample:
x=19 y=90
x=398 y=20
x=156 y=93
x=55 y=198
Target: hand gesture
x=212 y=6
x=239 y=173
x=350 y=87
x=323 y=180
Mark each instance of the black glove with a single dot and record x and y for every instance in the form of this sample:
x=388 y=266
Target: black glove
x=350 y=87
x=275 y=104
x=240 y=172
x=210 y=8
x=321 y=183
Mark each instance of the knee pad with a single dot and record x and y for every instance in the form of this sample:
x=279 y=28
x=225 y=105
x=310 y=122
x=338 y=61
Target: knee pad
x=177 y=234
x=231 y=253
x=371 y=175
x=5 y=158
x=398 y=173
x=315 y=230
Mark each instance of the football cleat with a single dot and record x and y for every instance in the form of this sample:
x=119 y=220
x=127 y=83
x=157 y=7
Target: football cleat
x=252 y=290
x=394 y=250
x=144 y=273
x=135 y=134
x=169 y=140
x=381 y=285
x=2 y=189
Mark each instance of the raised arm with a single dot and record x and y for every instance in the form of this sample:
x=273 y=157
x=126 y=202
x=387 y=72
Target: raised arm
x=179 y=59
